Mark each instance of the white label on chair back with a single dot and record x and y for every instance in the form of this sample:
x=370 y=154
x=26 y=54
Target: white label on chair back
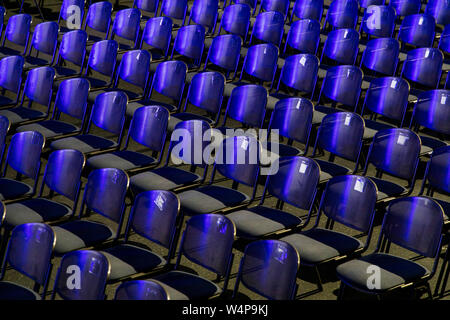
x=303 y=167
x=394 y=84
x=347 y=120
x=159 y=201
x=302 y=61
x=401 y=139
x=359 y=185
x=444 y=98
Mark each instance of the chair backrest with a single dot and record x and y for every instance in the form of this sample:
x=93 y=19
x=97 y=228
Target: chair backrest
x=341 y=133
x=405 y=8
x=127 y=25
x=11 y=73
x=169 y=79
x=343 y=84
x=82 y=275
x=63 y=172
x=148 y=127
x=261 y=62
x=281 y=6
x=204 y=12
x=206 y=91
x=108 y=112
x=154 y=217
x=440 y=10
x=342 y=46
x=381 y=55
x=73 y=47
x=158 y=34
x=98 y=17
x=38 y=85
x=4 y=129
x=343 y=14
x=250 y=3
x=293 y=180
x=134 y=68
x=304 y=36
x=236 y=20
x=247 y=104
x=378 y=21
x=418 y=30
x=389 y=97
x=395 y=151
x=71 y=97
x=437 y=173
x=71 y=7
x=24 y=153
x=414 y=223
x=225 y=52
x=268 y=27
x=105 y=193
x=208 y=241
x=300 y=72
x=351 y=201
x=424 y=66
x=30 y=250
x=17 y=30
x=366 y=3
x=444 y=43
x=103 y=57
x=175 y=9
x=141 y=290
x=432 y=110
x=45 y=38
x=308 y=9
x=269 y=268
x=189 y=42
x=150 y=6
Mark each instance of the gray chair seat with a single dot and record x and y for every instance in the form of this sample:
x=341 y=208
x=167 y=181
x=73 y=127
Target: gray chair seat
x=35 y=210
x=34 y=62
x=12 y=189
x=317 y=117
x=132 y=106
x=272 y=99
x=80 y=234
x=387 y=189
x=318 y=245
x=259 y=221
x=164 y=178
x=21 y=114
x=187 y=286
x=273 y=151
x=210 y=198
x=14 y=291
x=184 y=116
x=84 y=143
x=331 y=169
x=96 y=83
x=372 y=127
x=50 y=128
x=126 y=260
x=122 y=159
x=394 y=271
x=4 y=101
x=429 y=144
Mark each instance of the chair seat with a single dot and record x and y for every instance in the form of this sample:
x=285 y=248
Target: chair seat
x=210 y=198
x=80 y=234
x=14 y=291
x=64 y=71
x=321 y=111
x=184 y=116
x=230 y=86
x=187 y=286
x=126 y=260
x=50 y=128
x=429 y=144
x=164 y=178
x=11 y=189
x=132 y=106
x=329 y=170
x=394 y=271
x=96 y=83
x=21 y=114
x=259 y=221
x=122 y=159
x=4 y=101
x=33 y=62
x=318 y=245
x=84 y=143
x=273 y=151
x=6 y=52
x=272 y=99
x=35 y=210
x=387 y=189
x=372 y=127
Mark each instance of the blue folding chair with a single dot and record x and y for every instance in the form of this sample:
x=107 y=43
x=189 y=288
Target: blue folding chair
x=126 y=26
x=29 y=253
x=175 y=10
x=207 y=242
x=281 y=6
x=440 y=10
x=381 y=56
x=102 y=60
x=148 y=128
x=293 y=181
x=10 y=79
x=169 y=81
x=432 y=112
x=395 y=152
x=98 y=19
x=157 y=35
x=342 y=14
x=414 y=224
x=303 y=36
x=17 y=32
x=236 y=20
x=349 y=201
x=269 y=268
x=24 y=157
x=155 y=217
x=141 y=290
x=182 y=150
x=378 y=21
x=72 y=13
x=61 y=176
x=405 y=8
x=71 y=50
x=205 y=13
x=308 y=9
x=341 y=46
x=269 y=28
x=38 y=91
x=43 y=42
x=224 y=53
x=189 y=43
x=107 y=114
x=341 y=134
x=92 y=270
x=417 y=30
